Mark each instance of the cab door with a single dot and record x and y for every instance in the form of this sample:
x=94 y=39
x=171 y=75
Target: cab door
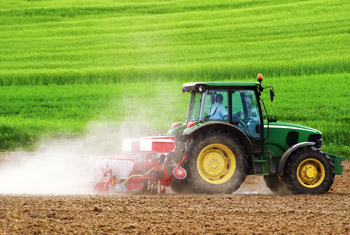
x=246 y=116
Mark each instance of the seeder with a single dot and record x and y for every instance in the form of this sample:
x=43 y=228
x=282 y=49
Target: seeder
x=143 y=169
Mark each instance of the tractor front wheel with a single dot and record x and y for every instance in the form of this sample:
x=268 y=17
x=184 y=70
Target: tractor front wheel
x=217 y=163
x=309 y=171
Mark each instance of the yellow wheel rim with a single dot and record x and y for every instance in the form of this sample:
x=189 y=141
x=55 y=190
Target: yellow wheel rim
x=311 y=173
x=216 y=163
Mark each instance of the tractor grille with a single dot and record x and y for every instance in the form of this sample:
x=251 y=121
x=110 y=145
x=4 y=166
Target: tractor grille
x=317 y=139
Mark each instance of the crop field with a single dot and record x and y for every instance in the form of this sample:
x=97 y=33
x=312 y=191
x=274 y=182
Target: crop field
x=69 y=42
x=30 y=112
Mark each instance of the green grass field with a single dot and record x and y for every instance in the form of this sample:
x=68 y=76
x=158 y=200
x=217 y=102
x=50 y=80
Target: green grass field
x=69 y=42
x=66 y=63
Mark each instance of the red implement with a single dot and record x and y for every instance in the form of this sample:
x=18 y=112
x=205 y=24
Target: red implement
x=145 y=171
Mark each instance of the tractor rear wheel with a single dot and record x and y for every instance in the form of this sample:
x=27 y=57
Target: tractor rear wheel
x=309 y=171
x=217 y=163
x=275 y=184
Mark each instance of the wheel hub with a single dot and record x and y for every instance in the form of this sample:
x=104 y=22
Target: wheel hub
x=310 y=173
x=216 y=163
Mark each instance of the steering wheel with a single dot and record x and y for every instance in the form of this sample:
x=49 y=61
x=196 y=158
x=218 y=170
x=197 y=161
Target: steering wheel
x=237 y=118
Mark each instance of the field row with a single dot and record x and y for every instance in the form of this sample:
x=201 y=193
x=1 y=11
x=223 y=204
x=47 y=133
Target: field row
x=29 y=113
x=108 y=42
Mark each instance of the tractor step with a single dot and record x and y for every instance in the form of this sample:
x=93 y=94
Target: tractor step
x=261 y=166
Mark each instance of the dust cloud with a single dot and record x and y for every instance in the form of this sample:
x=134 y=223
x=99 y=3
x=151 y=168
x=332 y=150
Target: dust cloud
x=253 y=185
x=60 y=166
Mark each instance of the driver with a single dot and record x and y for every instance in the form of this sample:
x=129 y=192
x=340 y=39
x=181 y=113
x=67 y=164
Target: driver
x=217 y=111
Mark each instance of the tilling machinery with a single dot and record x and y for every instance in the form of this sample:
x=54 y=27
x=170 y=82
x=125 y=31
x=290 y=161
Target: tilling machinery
x=144 y=171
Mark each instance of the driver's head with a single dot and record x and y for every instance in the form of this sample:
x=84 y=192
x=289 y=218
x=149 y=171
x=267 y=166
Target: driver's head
x=219 y=98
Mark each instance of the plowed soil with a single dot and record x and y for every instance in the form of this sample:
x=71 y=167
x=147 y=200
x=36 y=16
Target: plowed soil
x=252 y=210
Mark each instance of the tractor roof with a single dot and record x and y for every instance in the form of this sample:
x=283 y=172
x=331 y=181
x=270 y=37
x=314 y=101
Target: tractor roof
x=194 y=86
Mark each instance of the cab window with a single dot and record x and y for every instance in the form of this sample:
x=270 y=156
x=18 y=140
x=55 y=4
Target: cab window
x=216 y=106
x=245 y=112
x=193 y=112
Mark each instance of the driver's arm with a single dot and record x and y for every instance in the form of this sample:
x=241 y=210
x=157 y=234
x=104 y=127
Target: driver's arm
x=223 y=112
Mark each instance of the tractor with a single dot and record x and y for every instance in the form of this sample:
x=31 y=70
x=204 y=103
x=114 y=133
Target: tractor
x=224 y=139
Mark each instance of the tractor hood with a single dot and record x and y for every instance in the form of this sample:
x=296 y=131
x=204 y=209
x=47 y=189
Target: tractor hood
x=291 y=126
x=279 y=136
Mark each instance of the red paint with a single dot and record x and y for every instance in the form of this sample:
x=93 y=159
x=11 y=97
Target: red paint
x=168 y=179
x=180 y=173
x=175 y=125
x=191 y=124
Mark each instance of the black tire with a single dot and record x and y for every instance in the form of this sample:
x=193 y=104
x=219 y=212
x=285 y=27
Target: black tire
x=309 y=171
x=215 y=153
x=275 y=184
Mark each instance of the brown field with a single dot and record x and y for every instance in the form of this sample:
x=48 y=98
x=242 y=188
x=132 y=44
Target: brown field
x=246 y=212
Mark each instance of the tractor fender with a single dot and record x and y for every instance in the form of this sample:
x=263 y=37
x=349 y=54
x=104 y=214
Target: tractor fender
x=287 y=153
x=225 y=127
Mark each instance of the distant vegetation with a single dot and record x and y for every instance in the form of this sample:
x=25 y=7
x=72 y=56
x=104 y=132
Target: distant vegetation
x=105 y=41
x=65 y=63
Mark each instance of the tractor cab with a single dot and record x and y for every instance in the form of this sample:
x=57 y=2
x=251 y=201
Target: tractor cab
x=233 y=104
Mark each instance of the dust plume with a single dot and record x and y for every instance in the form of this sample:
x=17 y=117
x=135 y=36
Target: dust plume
x=60 y=166
x=253 y=185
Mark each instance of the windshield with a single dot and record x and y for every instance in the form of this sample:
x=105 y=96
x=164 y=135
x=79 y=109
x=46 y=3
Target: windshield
x=245 y=112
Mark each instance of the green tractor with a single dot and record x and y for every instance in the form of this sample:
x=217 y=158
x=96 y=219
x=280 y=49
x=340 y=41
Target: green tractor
x=226 y=138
